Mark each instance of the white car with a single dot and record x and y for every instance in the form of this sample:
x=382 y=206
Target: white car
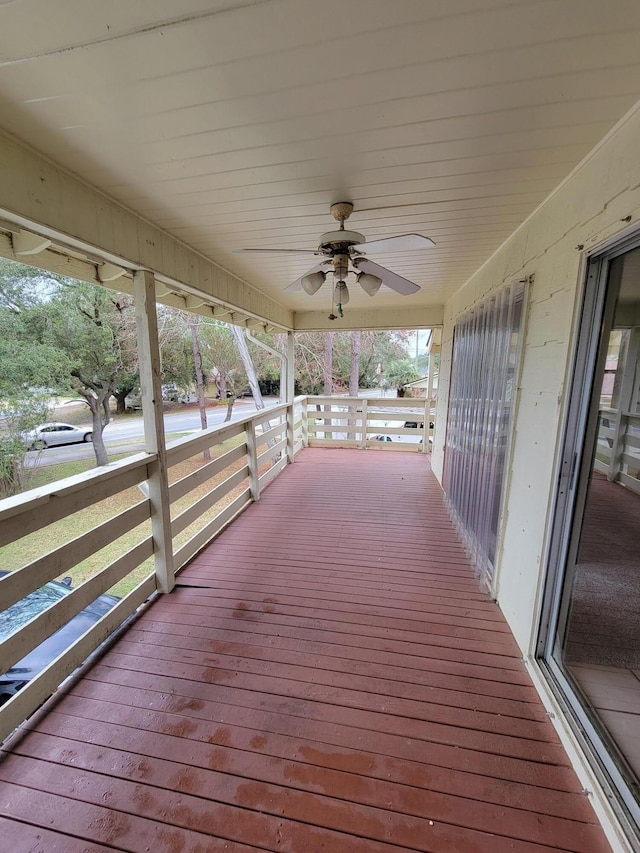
x=54 y=434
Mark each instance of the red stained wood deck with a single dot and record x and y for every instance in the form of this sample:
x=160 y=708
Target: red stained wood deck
x=326 y=677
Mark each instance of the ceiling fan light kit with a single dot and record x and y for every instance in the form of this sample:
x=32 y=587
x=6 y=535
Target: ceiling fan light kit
x=313 y=282
x=341 y=294
x=347 y=252
x=340 y=267
x=369 y=283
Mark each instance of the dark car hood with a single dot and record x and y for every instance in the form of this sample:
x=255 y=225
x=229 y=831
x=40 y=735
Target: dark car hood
x=42 y=655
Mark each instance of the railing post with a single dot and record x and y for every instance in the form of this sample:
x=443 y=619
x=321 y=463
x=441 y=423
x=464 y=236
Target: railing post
x=365 y=417
x=625 y=400
x=291 y=438
x=252 y=461
x=154 y=440
x=305 y=422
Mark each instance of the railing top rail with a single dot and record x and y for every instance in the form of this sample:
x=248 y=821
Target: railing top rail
x=176 y=449
x=41 y=495
x=405 y=402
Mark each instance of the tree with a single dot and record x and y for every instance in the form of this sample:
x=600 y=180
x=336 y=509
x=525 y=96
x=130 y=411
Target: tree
x=23 y=287
x=247 y=363
x=58 y=334
x=312 y=372
x=21 y=414
x=27 y=369
x=94 y=329
x=221 y=361
x=354 y=376
x=194 y=322
x=400 y=372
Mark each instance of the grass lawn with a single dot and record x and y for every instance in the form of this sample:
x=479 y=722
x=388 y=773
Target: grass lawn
x=23 y=551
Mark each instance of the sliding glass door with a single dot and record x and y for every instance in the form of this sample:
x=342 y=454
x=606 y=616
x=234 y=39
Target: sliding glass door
x=590 y=636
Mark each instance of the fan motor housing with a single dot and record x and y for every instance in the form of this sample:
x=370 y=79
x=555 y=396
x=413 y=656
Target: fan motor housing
x=338 y=242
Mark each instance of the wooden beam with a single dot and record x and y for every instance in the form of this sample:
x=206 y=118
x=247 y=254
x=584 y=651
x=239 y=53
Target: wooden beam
x=27 y=243
x=39 y=196
x=150 y=384
x=110 y=272
x=410 y=317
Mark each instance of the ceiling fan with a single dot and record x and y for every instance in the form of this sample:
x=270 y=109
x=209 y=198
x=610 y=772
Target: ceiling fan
x=346 y=252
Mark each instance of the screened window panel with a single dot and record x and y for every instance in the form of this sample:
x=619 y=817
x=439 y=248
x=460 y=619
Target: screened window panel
x=483 y=377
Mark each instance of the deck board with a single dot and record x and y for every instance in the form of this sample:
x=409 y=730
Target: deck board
x=326 y=676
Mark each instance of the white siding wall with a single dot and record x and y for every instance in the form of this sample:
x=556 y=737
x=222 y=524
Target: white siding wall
x=588 y=208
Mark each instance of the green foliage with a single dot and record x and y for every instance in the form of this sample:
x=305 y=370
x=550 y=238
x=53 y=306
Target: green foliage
x=11 y=465
x=400 y=371
x=176 y=349
x=221 y=359
x=25 y=361
x=19 y=416
x=84 y=323
x=24 y=413
x=378 y=351
x=23 y=287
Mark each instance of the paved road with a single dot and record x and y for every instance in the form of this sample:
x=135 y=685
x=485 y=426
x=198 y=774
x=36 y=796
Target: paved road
x=127 y=436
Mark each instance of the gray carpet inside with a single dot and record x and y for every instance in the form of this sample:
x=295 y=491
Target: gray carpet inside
x=604 y=621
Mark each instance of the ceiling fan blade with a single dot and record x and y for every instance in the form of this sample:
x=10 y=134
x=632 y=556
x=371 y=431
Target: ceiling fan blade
x=389 y=279
x=401 y=243
x=297 y=284
x=274 y=251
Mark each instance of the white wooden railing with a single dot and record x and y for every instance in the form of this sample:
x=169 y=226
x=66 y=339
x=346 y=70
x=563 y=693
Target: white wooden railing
x=366 y=422
x=618 y=447
x=202 y=502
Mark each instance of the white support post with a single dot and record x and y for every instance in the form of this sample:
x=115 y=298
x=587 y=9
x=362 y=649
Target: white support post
x=425 y=426
x=365 y=417
x=430 y=372
x=290 y=395
x=305 y=422
x=154 y=440
x=252 y=461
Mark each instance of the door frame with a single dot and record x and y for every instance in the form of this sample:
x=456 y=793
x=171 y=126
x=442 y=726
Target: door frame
x=579 y=434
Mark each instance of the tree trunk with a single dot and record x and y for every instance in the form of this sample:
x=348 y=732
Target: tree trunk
x=96 y=407
x=354 y=378
x=97 y=395
x=194 y=324
x=221 y=384
x=249 y=369
x=328 y=375
x=120 y=396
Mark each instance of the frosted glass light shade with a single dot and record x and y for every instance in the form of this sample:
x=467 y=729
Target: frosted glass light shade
x=369 y=283
x=341 y=293
x=313 y=282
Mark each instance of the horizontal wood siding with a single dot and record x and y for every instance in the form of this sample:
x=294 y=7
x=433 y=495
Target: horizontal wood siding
x=326 y=676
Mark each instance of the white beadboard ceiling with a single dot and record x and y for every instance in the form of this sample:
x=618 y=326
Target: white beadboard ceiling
x=231 y=123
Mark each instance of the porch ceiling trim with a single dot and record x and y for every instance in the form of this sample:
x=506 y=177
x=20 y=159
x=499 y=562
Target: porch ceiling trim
x=42 y=198
x=371 y=319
